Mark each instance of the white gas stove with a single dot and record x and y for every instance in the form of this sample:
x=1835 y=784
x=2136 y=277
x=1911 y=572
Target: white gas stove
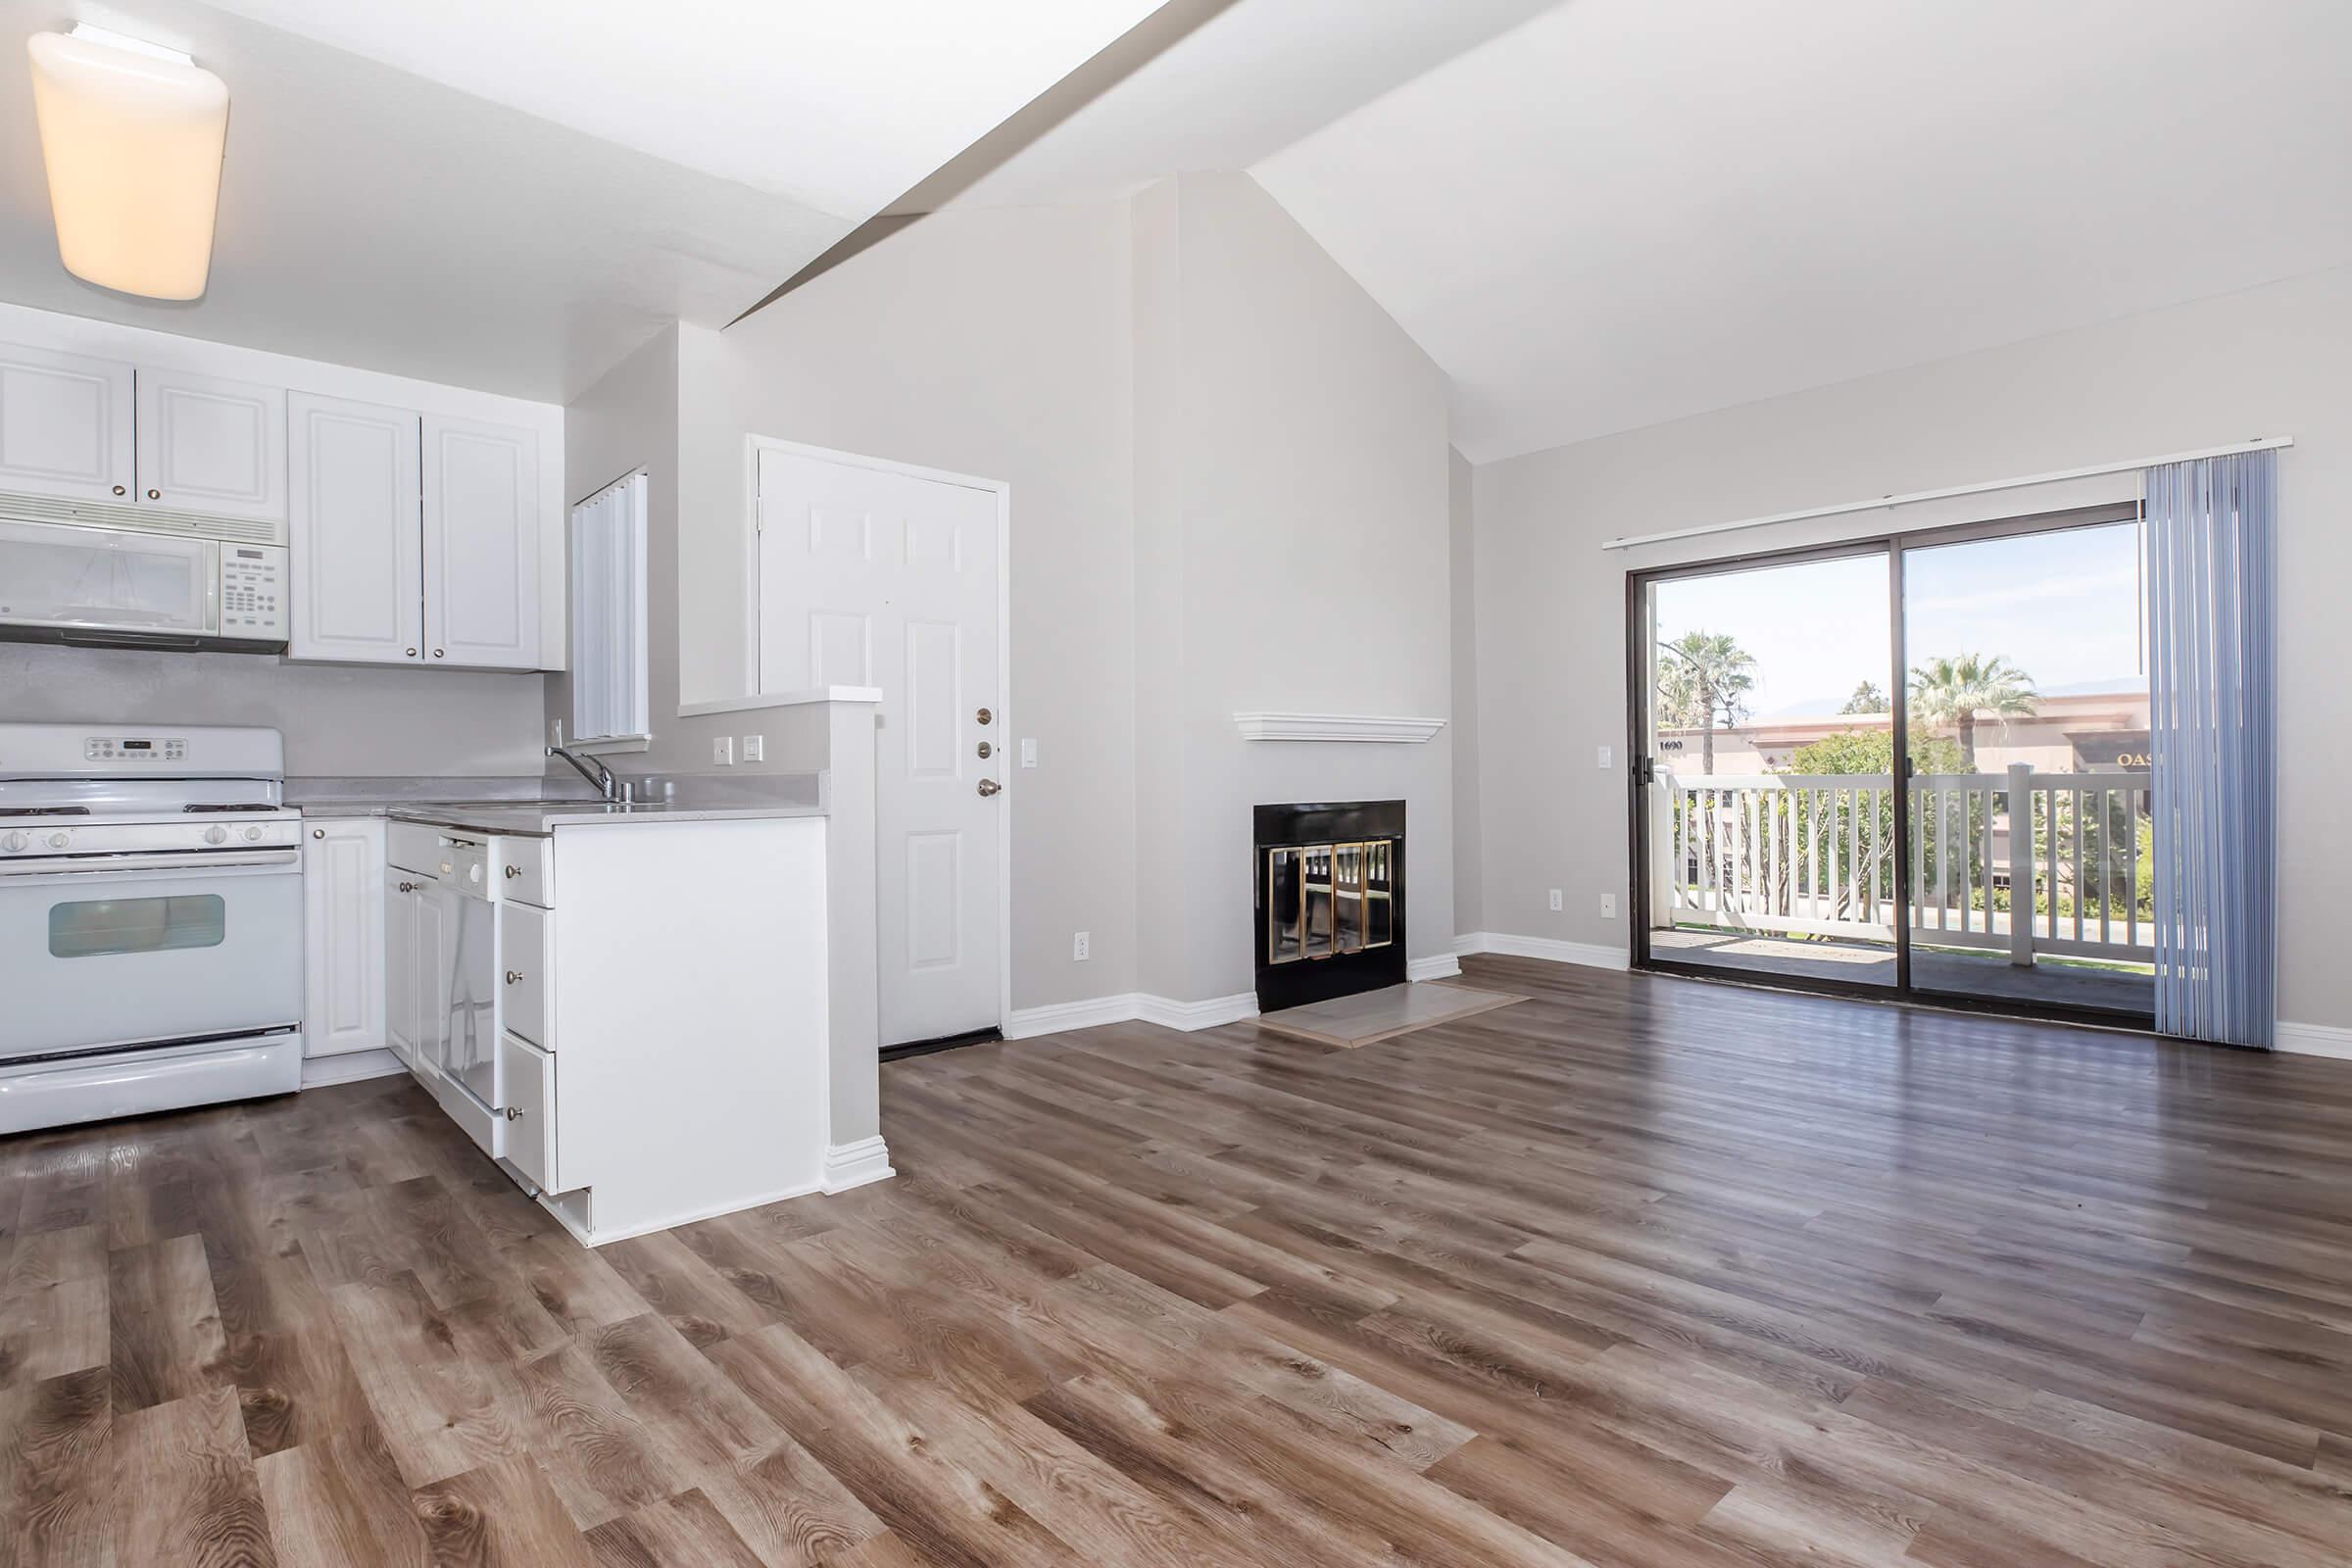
x=150 y=920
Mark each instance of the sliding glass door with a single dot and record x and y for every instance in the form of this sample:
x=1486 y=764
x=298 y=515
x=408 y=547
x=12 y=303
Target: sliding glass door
x=1910 y=765
x=1767 y=798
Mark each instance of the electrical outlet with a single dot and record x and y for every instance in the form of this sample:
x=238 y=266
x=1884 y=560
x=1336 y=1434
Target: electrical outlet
x=722 y=750
x=555 y=728
x=1082 y=946
x=1608 y=906
x=1556 y=901
x=1028 y=753
x=1604 y=756
x=755 y=748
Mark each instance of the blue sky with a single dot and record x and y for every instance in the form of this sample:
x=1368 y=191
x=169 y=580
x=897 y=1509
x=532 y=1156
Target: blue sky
x=2064 y=606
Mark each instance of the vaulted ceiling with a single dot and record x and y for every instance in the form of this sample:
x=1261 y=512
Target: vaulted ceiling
x=1627 y=211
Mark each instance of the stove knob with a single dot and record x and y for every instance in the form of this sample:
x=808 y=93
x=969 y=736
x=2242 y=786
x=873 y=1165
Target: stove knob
x=252 y=835
x=215 y=834
x=15 y=842
x=58 y=841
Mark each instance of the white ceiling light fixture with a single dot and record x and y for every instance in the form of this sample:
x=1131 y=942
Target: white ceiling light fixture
x=131 y=135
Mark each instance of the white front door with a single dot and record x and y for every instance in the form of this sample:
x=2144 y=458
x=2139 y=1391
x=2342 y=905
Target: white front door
x=872 y=577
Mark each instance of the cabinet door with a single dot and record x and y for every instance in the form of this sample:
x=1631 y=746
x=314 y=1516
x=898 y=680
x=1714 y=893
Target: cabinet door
x=355 y=532
x=400 y=964
x=343 y=897
x=65 y=424
x=482 y=544
x=209 y=445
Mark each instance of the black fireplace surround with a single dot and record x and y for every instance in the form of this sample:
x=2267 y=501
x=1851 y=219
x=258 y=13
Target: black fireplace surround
x=1330 y=901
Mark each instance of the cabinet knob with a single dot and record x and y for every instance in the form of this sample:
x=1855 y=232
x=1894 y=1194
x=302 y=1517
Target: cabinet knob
x=407 y=887
x=412 y=652
x=514 y=975
x=514 y=1113
x=317 y=832
x=118 y=490
x=155 y=495
x=513 y=872
x=437 y=653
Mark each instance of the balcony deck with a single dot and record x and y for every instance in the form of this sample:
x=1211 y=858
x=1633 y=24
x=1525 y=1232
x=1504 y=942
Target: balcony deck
x=1985 y=974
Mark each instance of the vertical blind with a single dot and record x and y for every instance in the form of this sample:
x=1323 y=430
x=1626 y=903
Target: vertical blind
x=608 y=698
x=2212 y=677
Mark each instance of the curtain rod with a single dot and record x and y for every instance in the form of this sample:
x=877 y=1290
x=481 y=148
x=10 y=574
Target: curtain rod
x=2262 y=443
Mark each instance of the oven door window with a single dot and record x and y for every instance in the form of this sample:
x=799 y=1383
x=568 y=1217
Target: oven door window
x=90 y=928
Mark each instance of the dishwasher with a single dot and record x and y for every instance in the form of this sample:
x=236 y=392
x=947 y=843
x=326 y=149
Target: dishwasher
x=468 y=945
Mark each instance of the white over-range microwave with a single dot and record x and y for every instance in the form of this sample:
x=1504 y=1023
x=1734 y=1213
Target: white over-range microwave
x=137 y=577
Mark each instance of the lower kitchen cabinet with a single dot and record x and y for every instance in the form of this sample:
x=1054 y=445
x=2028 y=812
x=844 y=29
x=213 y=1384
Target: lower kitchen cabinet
x=344 y=947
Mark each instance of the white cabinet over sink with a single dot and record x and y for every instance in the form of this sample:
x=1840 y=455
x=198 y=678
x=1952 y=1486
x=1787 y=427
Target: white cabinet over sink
x=481 y=544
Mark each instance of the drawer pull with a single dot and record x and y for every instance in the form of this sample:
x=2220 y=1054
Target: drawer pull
x=513 y=872
x=514 y=975
x=514 y=1113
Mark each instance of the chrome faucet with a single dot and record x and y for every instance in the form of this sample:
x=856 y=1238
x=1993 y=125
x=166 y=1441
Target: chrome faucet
x=589 y=768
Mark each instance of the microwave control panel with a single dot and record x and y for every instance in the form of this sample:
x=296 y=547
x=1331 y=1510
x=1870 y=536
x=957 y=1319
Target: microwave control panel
x=253 y=593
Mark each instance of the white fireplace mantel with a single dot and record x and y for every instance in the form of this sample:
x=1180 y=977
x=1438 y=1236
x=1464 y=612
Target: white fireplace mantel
x=1377 y=727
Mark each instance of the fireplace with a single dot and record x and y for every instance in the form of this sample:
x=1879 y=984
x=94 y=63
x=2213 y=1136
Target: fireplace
x=1330 y=900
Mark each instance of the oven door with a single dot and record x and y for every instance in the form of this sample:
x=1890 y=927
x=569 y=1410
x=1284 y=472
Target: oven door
x=97 y=580
x=205 y=946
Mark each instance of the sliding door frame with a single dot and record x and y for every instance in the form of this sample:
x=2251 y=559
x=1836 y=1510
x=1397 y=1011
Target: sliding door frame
x=1641 y=762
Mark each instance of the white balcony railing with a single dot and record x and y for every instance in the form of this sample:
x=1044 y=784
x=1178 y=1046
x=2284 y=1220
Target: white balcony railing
x=2017 y=862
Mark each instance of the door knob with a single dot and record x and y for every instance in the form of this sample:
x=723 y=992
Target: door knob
x=989 y=785
x=986 y=751
x=984 y=715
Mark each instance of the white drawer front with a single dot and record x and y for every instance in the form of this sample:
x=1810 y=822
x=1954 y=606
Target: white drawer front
x=528 y=870
x=525 y=949
x=529 y=1074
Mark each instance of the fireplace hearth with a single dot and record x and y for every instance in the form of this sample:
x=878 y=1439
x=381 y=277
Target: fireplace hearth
x=1330 y=900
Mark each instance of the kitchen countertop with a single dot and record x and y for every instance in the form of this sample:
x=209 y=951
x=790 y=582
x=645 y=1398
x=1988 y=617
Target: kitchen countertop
x=540 y=818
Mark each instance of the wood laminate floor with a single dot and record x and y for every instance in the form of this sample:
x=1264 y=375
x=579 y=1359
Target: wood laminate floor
x=1639 y=1271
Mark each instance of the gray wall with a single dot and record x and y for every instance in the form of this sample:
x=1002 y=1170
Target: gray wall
x=337 y=718
x=1292 y=556
x=991 y=343
x=1469 y=872
x=1550 y=604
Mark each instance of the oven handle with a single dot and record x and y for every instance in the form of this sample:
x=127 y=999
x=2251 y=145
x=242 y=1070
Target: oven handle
x=193 y=862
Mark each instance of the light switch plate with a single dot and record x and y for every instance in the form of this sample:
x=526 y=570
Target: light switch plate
x=1604 y=756
x=755 y=748
x=722 y=750
x=1028 y=753
x=1608 y=906
x=1555 y=900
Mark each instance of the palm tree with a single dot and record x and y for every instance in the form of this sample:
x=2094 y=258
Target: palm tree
x=1705 y=675
x=1955 y=690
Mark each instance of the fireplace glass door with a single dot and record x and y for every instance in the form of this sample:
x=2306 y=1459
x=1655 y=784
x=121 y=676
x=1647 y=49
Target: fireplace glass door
x=1328 y=899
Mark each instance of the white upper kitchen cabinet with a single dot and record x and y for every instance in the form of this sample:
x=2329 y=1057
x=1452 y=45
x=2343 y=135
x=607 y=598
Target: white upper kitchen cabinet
x=357 y=533
x=483 y=523
x=210 y=445
x=65 y=424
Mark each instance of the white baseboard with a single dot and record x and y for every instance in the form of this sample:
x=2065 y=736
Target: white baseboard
x=2313 y=1039
x=1170 y=1013
x=605 y=1235
x=1437 y=966
x=349 y=1067
x=1127 y=1008
x=1055 y=1017
x=1591 y=954
x=849 y=1165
